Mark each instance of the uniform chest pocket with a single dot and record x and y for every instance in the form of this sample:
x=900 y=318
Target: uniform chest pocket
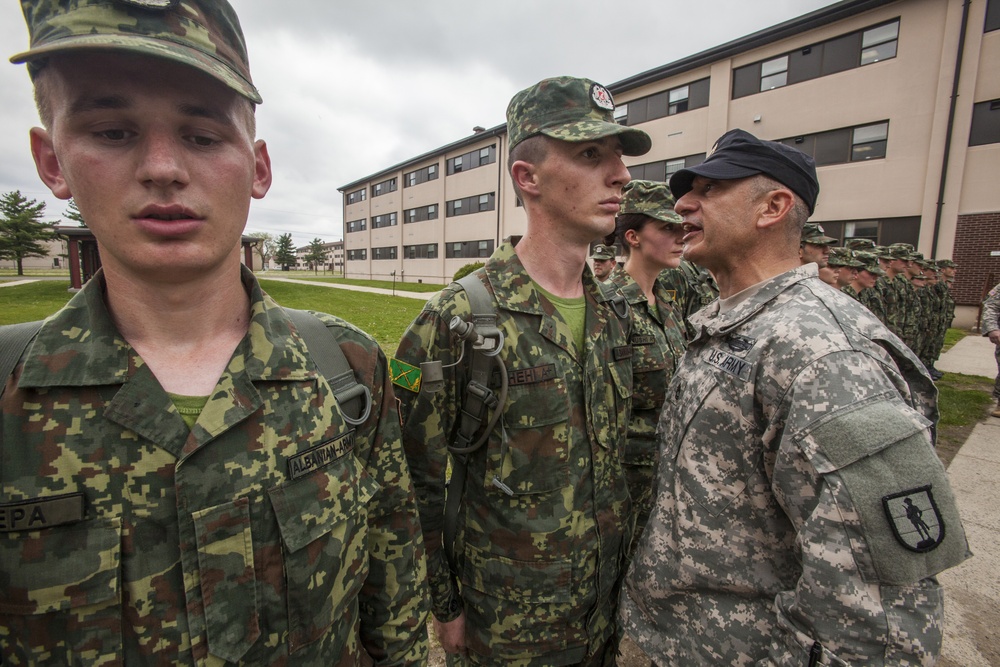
x=722 y=448
x=323 y=519
x=533 y=453
x=61 y=600
x=649 y=374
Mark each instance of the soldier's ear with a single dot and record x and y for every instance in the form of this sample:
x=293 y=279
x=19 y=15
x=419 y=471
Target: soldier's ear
x=774 y=207
x=47 y=164
x=525 y=177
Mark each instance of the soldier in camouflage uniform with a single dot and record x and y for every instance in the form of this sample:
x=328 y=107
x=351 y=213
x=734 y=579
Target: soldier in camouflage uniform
x=896 y=290
x=180 y=485
x=946 y=272
x=815 y=247
x=545 y=519
x=844 y=266
x=796 y=447
x=692 y=287
x=649 y=233
x=990 y=326
x=863 y=287
x=603 y=257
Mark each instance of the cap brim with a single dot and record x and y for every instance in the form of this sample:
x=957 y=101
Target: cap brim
x=820 y=240
x=680 y=182
x=151 y=47
x=634 y=141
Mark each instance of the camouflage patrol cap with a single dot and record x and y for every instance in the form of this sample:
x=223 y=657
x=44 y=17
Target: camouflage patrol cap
x=570 y=109
x=946 y=264
x=899 y=251
x=843 y=257
x=859 y=244
x=204 y=34
x=869 y=262
x=814 y=234
x=602 y=251
x=650 y=198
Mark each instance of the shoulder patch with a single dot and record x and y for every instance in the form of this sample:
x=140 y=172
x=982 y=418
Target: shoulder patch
x=915 y=519
x=404 y=375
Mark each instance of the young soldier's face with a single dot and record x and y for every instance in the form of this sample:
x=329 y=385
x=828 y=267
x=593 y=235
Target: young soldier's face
x=159 y=158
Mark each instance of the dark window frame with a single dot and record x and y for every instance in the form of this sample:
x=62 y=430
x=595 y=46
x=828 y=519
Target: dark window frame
x=471 y=160
x=353 y=226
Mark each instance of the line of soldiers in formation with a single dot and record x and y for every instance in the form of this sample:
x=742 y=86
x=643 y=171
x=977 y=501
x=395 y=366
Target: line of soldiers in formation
x=909 y=294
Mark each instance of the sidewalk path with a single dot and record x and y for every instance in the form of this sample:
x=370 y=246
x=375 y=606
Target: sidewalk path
x=973 y=355
x=423 y=296
x=12 y=283
x=972 y=590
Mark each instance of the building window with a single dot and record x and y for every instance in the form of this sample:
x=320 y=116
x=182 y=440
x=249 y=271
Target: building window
x=868 y=142
x=387 y=252
x=428 y=173
x=879 y=43
x=356 y=225
x=774 y=73
x=992 y=16
x=467 y=205
x=847 y=144
x=663 y=169
x=862 y=47
x=677 y=100
x=356 y=196
x=469 y=249
x=383 y=188
x=477 y=158
x=387 y=220
x=422 y=251
x=420 y=214
x=354 y=255
x=985 y=122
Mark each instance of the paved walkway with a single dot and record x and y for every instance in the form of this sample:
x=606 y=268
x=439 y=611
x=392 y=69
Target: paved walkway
x=972 y=590
x=423 y=296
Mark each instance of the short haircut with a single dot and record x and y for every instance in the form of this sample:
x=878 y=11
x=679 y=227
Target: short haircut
x=532 y=150
x=761 y=184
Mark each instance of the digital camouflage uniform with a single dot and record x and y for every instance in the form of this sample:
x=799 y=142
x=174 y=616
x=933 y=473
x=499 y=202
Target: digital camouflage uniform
x=693 y=288
x=990 y=321
x=790 y=419
x=271 y=533
x=658 y=341
x=546 y=516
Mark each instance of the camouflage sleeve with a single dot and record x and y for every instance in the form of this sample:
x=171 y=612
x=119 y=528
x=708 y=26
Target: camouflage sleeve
x=428 y=421
x=991 y=311
x=393 y=598
x=851 y=454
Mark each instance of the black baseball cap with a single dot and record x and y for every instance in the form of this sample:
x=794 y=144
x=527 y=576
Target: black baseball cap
x=739 y=154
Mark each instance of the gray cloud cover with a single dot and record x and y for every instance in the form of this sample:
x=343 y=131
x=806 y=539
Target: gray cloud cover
x=352 y=87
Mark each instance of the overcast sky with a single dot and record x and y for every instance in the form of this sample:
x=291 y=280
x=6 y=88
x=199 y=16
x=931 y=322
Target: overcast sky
x=353 y=86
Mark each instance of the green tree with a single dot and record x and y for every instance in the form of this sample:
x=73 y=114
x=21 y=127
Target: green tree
x=22 y=231
x=317 y=254
x=73 y=213
x=284 y=253
x=265 y=247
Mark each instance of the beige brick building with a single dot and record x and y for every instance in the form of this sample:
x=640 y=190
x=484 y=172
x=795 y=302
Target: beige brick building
x=898 y=102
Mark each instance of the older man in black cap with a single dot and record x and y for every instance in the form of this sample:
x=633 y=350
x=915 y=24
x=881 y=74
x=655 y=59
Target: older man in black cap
x=796 y=452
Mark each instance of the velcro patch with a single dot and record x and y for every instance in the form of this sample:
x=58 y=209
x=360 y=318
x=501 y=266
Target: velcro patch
x=740 y=344
x=915 y=519
x=320 y=456
x=41 y=512
x=531 y=375
x=404 y=375
x=622 y=352
x=729 y=363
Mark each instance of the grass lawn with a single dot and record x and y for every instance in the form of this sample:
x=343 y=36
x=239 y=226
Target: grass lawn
x=384 y=284
x=34 y=301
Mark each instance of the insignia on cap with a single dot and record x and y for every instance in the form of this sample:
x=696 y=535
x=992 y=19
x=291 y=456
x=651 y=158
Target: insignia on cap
x=915 y=519
x=602 y=97
x=150 y=4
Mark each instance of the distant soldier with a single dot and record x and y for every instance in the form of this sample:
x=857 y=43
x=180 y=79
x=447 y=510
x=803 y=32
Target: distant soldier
x=863 y=287
x=604 y=261
x=896 y=290
x=815 y=247
x=990 y=326
x=693 y=288
x=946 y=274
x=845 y=267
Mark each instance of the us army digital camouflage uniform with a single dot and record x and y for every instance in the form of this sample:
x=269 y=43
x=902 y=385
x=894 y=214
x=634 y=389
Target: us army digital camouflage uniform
x=693 y=288
x=546 y=516
x=990 y=321
x=658 y=341
x=791 y=419
x=271 y=533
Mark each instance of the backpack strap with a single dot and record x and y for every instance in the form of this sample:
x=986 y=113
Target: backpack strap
x=355 y=399
x=14 y=340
